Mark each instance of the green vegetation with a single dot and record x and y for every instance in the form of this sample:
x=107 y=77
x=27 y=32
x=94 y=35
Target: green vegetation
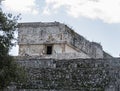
x=9 y=70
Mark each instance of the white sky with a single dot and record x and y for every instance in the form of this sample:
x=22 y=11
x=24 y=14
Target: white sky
x=97 y=20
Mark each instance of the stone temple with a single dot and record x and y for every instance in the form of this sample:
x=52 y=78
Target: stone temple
x=55 y=40
x=56 y=58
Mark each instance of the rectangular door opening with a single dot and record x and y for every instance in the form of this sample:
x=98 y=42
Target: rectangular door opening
x=49 y=49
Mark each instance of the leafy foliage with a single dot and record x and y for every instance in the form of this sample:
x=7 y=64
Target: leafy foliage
x=9 y=70
x=8 y=25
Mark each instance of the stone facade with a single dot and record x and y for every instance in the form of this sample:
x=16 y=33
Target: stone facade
x=56 y=58
x=70 y=74
x=54 y=38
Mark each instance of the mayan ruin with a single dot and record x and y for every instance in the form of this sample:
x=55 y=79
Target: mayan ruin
x=58 y=59
x=54 y=39
x=59 y=45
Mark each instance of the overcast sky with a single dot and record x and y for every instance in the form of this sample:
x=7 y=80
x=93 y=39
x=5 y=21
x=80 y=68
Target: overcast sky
x=96 y=20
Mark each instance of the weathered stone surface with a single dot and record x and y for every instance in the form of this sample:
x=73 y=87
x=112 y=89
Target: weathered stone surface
x=69 y=75
x=34 y=37
x=58 y=59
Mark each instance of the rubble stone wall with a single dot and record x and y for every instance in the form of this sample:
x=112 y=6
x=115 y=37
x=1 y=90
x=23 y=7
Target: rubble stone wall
x=72 y=74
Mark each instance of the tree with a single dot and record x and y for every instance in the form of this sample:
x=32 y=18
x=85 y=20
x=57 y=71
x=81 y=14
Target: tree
x=7 y=29
x=9 y=70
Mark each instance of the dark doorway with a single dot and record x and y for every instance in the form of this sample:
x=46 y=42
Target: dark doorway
x=49 y=49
